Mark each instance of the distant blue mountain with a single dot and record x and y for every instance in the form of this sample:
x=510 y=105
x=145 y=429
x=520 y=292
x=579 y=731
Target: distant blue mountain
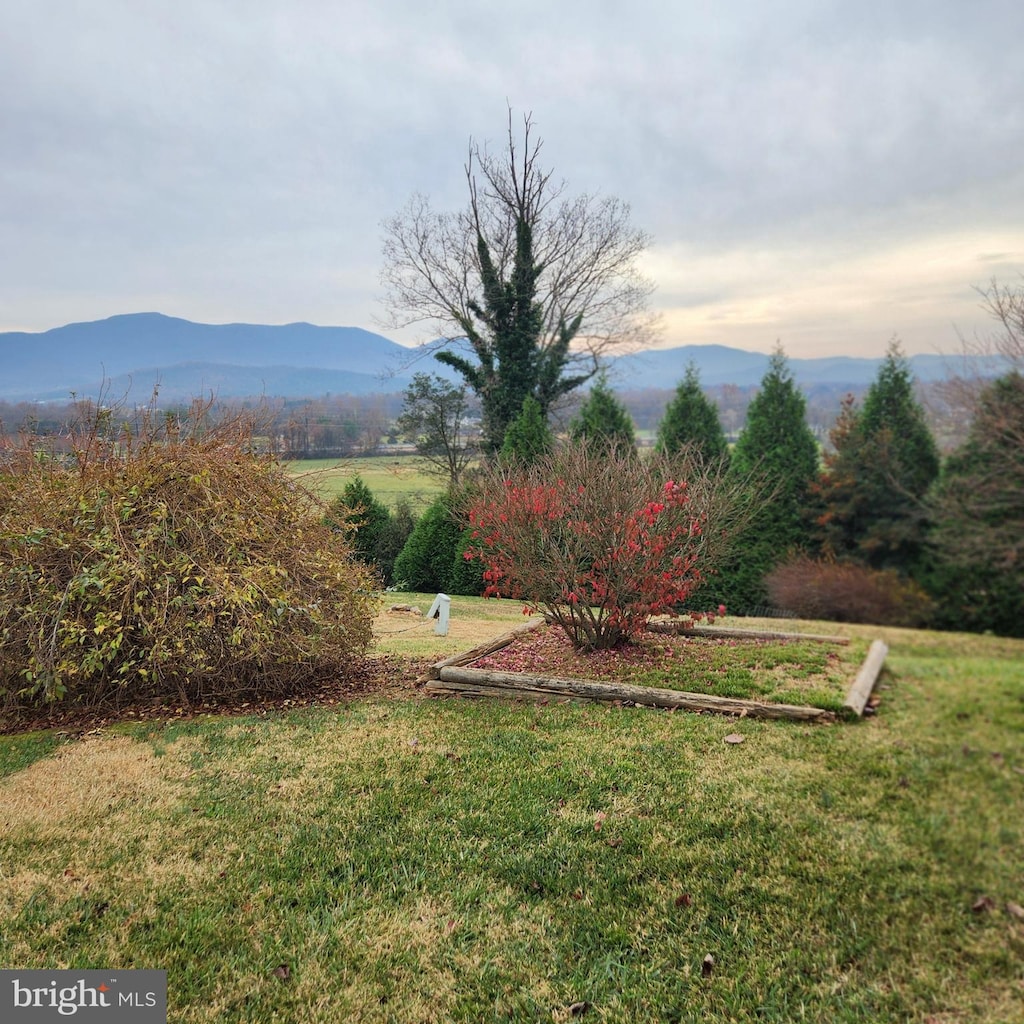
x=717 y=364
x=130 y=354
x=139 y=350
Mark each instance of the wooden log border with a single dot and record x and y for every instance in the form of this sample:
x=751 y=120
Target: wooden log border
x=454 y=677
x=859 y=693
x=680 y=629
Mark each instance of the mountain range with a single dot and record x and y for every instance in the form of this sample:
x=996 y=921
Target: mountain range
x=128 y=355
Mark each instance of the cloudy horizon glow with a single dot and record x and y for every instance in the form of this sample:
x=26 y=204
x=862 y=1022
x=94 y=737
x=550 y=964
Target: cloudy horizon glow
x=811 y=172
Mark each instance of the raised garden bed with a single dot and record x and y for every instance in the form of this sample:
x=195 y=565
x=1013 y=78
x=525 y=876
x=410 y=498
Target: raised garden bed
x=772 y=675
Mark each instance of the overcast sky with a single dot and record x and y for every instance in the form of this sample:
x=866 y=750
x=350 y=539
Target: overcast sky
x=824 y=174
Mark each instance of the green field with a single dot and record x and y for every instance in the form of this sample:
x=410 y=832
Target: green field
x=399 y=859
x=391 y=478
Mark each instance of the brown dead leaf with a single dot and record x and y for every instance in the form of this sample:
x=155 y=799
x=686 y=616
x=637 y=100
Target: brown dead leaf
x=578 y=1009
x=707 y=965
x=735 y=737
x=282 y=971
x=684 y=900
x=1015 y=910
x=983 y=904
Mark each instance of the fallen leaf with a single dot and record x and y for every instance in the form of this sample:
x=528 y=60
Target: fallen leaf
x=983 y=904
x=282 y=971
x=578 y=1009
x=735 y=737
x=1015 y=910
x=685 y=900
x=614 y=843
x=707 y=965
x=598 y=820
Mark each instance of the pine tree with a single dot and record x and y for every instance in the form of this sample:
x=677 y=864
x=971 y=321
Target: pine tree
x=603 y=419
x=691 y=419
x=528 y=435
x=978 y=509
x=366 y=519
x=872 y=493
x=425 y=563
x=777 y=452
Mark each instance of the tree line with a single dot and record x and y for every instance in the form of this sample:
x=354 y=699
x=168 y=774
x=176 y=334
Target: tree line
x=527 y=290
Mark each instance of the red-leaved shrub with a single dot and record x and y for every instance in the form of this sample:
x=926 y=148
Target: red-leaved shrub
x=599 y=539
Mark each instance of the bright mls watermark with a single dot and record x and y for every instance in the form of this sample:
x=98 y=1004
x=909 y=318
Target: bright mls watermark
x=39 y=997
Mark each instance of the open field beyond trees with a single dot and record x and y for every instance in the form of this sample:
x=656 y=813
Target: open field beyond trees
x=391 y=478
x=400 y=859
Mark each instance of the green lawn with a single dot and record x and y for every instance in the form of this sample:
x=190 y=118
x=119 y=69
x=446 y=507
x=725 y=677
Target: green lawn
x=443 y=860
x=391 y=478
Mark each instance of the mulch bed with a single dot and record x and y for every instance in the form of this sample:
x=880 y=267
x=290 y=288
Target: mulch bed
x=375 y=675
x=693 y=660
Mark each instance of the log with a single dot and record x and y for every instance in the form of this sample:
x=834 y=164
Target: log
x=860 y=691
x=741 y=634
x=472 y=682
x=480 y=651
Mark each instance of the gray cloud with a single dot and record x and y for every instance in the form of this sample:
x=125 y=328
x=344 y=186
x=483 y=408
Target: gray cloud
x=824 y=173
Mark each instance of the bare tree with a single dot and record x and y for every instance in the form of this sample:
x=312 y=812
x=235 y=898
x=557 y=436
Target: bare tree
x=988 y=356
x=526 y=286
x=434 y=418
x=1006 y=306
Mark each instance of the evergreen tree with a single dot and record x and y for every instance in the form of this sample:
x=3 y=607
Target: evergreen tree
x=392 y=539
x=467 y=575
x=425 y=563
x=603 y=419
x=528 y=435
x=978 y=509
x=871 y=496
x=778 y=454
x=691 y=419
x=366 y=520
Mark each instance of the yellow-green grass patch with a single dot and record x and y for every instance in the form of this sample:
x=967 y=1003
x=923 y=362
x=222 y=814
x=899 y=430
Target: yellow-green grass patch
x=391 y=479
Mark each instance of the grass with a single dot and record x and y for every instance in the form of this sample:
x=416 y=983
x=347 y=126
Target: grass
x=391 y=478
x=412 y=860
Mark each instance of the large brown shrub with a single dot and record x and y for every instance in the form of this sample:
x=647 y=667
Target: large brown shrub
x=170 y=559
x=846 y=592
